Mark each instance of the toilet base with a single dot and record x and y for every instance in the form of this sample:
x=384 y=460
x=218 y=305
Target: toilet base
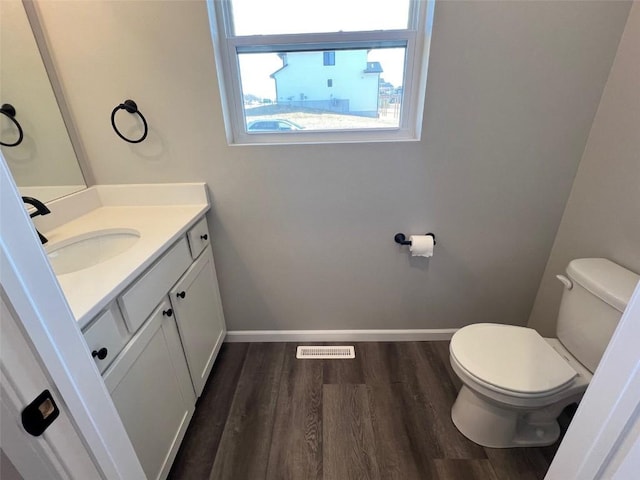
x=493 y=425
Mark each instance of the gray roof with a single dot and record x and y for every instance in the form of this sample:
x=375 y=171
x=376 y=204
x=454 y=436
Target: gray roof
x=373 y=67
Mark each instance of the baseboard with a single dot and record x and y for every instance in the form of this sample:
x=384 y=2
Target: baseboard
x=418 y=335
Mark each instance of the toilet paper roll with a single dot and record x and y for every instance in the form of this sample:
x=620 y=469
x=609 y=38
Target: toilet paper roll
x=421 y=245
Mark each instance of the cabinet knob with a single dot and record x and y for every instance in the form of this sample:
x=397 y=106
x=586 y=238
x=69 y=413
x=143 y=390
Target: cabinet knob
x=168 y=312
x=101 y=354
x=204 y=237
x=181 y=294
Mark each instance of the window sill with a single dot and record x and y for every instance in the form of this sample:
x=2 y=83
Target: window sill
x=324 y=138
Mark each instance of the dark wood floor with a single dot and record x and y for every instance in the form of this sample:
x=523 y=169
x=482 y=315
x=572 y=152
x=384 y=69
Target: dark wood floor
x=384 y=415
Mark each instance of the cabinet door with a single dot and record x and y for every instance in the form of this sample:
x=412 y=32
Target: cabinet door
x=151 y=389
x=196 y=301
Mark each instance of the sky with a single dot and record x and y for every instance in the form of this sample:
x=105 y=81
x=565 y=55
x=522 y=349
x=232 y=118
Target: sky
x=254 y=17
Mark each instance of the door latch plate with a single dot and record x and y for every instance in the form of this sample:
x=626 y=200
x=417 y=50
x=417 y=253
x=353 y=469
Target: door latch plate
x=39 y=414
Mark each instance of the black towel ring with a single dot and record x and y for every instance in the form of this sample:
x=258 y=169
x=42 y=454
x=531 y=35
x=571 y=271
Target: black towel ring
x=131 y=107
x=10 y=112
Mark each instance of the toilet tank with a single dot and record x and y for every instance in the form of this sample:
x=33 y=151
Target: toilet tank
x=591 y=308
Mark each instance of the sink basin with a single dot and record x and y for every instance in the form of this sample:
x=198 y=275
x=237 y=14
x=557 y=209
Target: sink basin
x=88 y=249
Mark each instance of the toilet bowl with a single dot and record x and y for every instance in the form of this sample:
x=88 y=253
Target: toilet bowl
x=511 y=396
x=515 y=382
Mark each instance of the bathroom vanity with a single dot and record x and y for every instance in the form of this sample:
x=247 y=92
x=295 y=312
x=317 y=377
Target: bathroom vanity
x=149 y=309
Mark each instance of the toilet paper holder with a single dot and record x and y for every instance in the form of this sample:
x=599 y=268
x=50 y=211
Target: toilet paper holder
x=402 y=239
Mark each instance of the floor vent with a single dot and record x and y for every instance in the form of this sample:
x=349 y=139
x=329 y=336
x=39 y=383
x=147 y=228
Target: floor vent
x=316 y=351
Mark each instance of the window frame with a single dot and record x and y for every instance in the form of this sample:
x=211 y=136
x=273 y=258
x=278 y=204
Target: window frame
x=227 y=47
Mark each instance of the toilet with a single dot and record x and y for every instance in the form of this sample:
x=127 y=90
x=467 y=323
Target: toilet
x=515 y=382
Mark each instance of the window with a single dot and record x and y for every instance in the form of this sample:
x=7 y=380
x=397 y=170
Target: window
x=272 y=59
x=329 y=58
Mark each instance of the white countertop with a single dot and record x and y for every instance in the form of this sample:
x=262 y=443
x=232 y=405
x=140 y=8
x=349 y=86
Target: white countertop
x=90 y=290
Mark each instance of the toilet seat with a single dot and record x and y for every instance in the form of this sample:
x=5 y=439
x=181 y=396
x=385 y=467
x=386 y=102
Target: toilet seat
x=508 y=358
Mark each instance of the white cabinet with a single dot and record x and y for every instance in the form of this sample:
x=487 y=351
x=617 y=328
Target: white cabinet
x=198 y=237
x=151 y=389
x=143 y=295
x=196 y=302
x=106 y=336
x=158 y=341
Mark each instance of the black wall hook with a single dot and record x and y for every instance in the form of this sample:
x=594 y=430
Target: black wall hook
x=10 y=112
x=131 y=107
x=402 y=240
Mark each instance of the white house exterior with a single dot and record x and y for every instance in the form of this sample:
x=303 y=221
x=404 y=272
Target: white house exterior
x=340 y=81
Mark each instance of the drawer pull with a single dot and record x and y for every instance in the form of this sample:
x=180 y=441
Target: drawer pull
x=181 y=294
x=168 y=312
x=101 y=354
x=204 y=237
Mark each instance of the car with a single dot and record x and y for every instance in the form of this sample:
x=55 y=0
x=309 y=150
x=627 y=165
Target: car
x=273 y=125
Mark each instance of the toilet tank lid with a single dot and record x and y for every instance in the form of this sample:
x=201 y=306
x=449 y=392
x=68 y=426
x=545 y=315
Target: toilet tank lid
x=608 y=281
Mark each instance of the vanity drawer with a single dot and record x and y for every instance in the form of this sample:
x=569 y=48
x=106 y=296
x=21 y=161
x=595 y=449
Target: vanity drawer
x=146 y=292
x=198 y=237
x=106 y=337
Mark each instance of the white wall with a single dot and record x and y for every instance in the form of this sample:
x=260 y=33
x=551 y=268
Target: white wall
x=303 y=235
x=602 y=218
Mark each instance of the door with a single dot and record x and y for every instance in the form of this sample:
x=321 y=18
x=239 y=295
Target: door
x=151 y=389
x=59 y=452
x=30 y=289
x=196 y=301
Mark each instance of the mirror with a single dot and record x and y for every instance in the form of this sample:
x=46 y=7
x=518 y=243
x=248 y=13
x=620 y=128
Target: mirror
x=44 y=164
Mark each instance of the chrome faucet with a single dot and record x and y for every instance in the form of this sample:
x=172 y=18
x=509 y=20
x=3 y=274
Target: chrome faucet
x=41 y=209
